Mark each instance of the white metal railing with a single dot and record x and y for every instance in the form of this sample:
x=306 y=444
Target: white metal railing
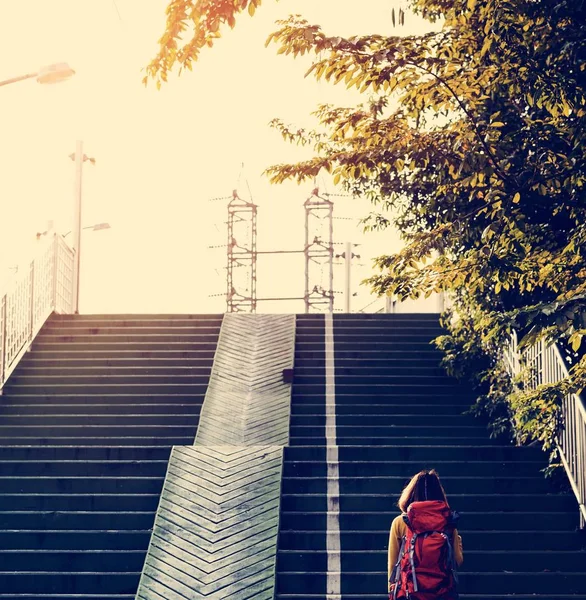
x=544 y=364
x=46 y=286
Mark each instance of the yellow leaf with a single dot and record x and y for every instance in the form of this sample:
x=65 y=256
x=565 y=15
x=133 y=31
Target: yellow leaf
x=251 y=9
x=516 y=198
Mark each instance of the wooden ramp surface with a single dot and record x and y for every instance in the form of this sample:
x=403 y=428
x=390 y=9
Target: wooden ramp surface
x=216 y=529
x=247 y=402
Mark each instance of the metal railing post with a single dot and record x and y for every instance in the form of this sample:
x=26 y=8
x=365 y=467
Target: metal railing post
x=2 y=341
x=32 y=302
x=54 y=272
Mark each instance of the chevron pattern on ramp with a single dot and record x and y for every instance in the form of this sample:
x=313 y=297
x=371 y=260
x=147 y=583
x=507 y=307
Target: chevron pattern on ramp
x=247 y=403
x=216 y=528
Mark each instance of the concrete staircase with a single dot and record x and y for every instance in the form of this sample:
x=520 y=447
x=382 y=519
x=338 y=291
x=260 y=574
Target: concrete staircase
x=86 y=427
x=88 y=420
x=396 y=413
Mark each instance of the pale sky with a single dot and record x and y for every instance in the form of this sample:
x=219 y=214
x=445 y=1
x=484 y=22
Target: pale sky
x=161 y=155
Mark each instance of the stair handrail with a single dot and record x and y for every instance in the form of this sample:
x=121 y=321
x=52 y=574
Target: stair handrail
x=31 y=296
x=544 y=364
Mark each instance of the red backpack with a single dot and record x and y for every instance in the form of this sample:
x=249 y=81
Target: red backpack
x=426 y=569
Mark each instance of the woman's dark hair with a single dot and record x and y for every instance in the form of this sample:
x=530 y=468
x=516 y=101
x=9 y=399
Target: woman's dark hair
x=425 y=485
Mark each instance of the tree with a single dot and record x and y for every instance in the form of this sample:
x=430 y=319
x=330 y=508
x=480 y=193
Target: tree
x=204 y=19
x=471 y=142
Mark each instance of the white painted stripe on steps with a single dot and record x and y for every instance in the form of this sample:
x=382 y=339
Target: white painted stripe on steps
x=333 y=545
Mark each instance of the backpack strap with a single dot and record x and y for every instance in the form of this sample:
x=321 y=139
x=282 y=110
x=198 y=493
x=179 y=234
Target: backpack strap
x=412 y=561
x=395 y=572
x=451 y=556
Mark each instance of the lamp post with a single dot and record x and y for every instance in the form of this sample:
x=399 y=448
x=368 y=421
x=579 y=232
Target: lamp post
x=79 y=157
x=49 y=74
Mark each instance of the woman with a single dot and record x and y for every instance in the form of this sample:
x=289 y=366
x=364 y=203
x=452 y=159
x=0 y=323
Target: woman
x=424 y=544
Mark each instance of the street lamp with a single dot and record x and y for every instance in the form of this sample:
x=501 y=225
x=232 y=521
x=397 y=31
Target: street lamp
x=49 y=74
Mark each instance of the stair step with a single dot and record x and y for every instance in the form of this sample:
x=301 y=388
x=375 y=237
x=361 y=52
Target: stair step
x=359 y=400
x=58 y=389
x=503 y=503
x=399 y=408
x=133 y=318
x=89 y=561
x=86 y=468
x=379 y=596
x=95 y=440
x=381 y=338
x=479 y=582
x=358 y=319
x=430 y=383
x=356 y=561
x=67 y=596
x=94 y=431
x=84 y=453
x=83 y=329
x=70 y=520
x=502 y=540
x=40 y=362
x=27 y=582
x=372 y=368
x=98 y=485
x=406 y=469
x=394 y=440
x=412 y=362
x=99 y=398
x=361 y=431
x=121 y=353
x=43 y=340
x=60 y=422
x=470 y=521
x=189 y=411
x=390 y=421
x=360 y=392
x=111 y=347
x=88 y=373
x=45 y=539
x=415 y=453
x=132 y=379
x=79 y=502
x=360 y=348
x=393 y=485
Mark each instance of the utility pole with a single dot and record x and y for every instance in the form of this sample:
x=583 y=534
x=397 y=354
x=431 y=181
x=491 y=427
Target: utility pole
x=241 y=254
x=348 y=269
x=319 y=253
x=79 y=158
x=348 y=255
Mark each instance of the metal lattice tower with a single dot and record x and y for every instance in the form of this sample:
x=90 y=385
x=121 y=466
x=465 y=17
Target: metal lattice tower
x=319 y=254
x=242 y=256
